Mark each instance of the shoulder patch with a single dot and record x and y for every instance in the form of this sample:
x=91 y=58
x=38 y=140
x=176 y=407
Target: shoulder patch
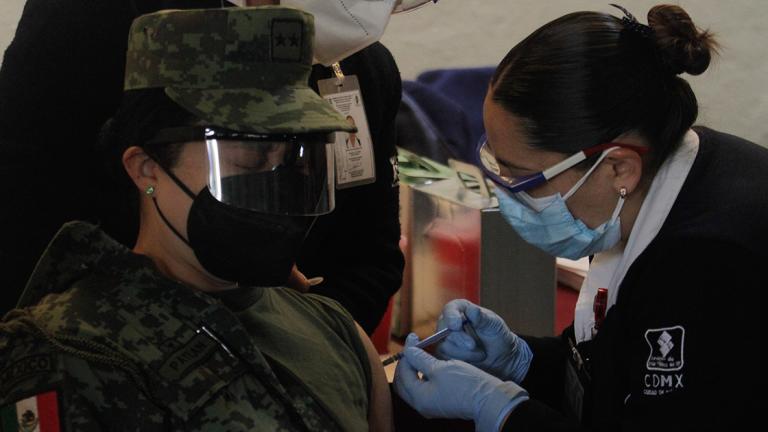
x=39 y=413
x=24 y=368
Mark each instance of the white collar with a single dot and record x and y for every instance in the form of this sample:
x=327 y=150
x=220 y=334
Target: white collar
x=608 y=268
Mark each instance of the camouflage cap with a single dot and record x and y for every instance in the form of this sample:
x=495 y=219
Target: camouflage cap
x=245 y=69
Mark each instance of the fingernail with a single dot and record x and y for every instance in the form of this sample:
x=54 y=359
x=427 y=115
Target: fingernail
x=315 y=281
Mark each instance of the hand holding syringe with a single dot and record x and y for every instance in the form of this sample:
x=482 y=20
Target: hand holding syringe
x=433 y=339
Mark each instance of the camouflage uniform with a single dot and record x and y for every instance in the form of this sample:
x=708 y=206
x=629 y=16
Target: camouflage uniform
x=120 y=346
x=126 y=348
x=245 y=69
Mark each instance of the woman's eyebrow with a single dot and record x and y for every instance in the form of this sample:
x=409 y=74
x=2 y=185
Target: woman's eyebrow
x=510 y=165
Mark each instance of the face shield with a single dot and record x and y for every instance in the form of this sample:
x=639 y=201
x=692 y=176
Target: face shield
x=279 y=174
x=410 y=5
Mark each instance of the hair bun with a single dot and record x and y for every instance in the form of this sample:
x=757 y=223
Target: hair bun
x=683 y=47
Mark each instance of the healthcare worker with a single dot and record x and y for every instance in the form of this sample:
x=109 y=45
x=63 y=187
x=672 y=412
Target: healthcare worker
x=591 y=146
x=227 y=148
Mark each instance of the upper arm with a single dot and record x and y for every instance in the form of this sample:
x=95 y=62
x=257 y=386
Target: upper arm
x=380 y=404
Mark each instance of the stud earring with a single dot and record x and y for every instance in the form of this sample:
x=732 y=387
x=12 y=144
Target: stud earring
x=623 y=192
x=150 y=190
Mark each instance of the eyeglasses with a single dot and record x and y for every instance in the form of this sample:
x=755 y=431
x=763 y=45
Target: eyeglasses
x=410 y=5
x=487 y=161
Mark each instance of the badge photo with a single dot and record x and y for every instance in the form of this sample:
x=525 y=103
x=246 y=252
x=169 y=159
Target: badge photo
x=355 y=162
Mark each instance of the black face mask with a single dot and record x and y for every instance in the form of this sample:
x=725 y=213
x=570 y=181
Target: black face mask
x=238 y=245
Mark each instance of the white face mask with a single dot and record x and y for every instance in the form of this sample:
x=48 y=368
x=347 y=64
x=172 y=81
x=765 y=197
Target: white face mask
x=343 y=27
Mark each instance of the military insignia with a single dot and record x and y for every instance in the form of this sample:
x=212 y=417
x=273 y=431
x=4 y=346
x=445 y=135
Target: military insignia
x=25 y=368
x=287 y=38
x=39 y=413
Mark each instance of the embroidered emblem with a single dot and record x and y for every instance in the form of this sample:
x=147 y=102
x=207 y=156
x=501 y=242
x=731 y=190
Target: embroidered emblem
x=194 y=352
x=666 y=360
x=287 y=38
x=39 y=413
x=666 y=348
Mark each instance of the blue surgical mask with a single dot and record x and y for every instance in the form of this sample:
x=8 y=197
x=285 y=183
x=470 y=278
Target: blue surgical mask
x=547 y=223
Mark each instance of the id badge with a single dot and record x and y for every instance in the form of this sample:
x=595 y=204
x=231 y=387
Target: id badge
x=355 y=164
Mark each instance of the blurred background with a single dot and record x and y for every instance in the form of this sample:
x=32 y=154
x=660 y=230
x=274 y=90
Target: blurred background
x=465 y=33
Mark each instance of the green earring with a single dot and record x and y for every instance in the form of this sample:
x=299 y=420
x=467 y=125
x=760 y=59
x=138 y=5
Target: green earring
x=150 y=190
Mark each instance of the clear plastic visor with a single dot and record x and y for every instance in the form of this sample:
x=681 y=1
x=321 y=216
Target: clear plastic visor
x=410 y=5
x=291 y=176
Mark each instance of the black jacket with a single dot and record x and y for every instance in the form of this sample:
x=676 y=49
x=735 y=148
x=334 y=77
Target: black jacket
x=356 y=247
x=62 y=77
x=700 y=282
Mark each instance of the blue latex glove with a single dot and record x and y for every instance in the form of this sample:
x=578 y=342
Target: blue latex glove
x=454 y=389
x=499 y=351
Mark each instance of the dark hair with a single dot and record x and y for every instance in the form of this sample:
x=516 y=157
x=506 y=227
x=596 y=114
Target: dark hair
x=588 y=77
x=142 y=113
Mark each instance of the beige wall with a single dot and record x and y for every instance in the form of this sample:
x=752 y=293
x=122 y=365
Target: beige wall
x=458 y=33
x=10 y=10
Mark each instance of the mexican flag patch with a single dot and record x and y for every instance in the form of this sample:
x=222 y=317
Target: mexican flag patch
x=39 y=413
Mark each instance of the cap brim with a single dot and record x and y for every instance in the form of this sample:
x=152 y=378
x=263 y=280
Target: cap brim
x=284 y=110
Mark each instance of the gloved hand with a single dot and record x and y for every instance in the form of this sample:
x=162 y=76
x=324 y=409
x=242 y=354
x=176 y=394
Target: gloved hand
x=454 y=389
x=499 y=351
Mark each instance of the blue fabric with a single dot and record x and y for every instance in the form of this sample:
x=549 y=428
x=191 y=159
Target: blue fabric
x=555 y=230
x=447 y=106
x=467 y=88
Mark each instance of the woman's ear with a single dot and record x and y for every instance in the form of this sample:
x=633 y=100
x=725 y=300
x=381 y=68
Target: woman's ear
x=627 y=168
x=140 y=167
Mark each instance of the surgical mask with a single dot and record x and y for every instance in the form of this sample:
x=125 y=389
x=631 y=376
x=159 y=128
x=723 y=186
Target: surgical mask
x=547 y=223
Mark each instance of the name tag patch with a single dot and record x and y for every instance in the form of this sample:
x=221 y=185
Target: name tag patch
x=193 y=353
x=25 y=368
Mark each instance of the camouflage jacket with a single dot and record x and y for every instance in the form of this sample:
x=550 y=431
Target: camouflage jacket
x=121 y=347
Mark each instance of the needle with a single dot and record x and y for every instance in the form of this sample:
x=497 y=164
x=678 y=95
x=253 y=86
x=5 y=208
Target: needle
x=431 y=340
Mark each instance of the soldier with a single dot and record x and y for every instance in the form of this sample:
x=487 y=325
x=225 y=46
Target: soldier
x=64 y=69
x=228 y=147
